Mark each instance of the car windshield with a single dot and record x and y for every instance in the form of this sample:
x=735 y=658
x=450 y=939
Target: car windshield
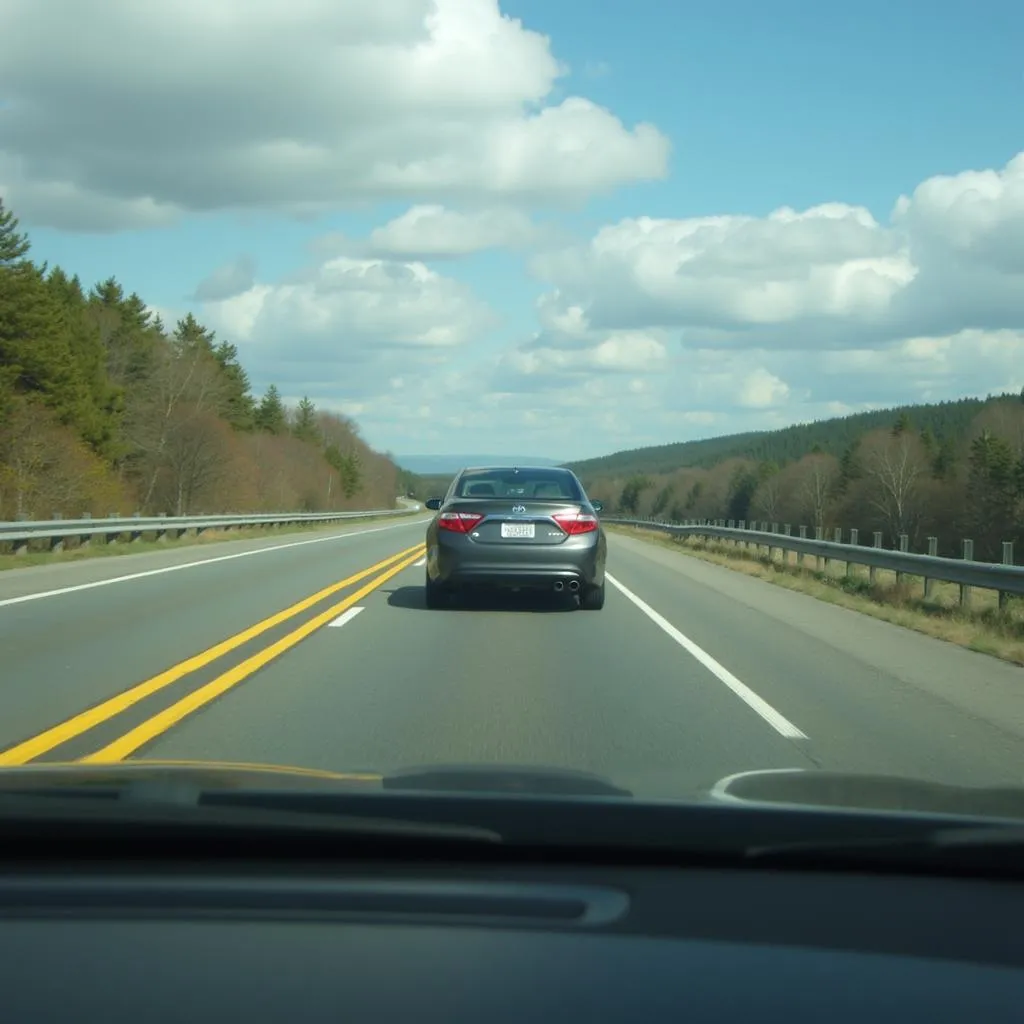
x=539 y=484
x=622 y=400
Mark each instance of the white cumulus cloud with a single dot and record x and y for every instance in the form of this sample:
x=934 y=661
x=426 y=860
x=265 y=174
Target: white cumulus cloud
x=347 y=327
x=122 y=114
x=432 y=232
x=762 y=390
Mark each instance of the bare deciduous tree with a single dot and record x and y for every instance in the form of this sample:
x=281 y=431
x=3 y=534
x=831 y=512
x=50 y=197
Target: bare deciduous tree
x=896 y=466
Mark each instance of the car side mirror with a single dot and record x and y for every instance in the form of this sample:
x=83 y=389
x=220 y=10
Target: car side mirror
x=433 y=504
x=598 y=506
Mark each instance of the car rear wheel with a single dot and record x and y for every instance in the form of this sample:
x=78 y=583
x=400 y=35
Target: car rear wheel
x=592 y=599
x=435 y=597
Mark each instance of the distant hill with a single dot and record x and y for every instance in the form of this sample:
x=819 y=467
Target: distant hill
x=945 y=420
x=437 y=465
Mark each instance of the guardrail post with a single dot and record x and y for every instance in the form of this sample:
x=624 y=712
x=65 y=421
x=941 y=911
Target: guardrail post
x=876 y=542
x=837 y=538
x=854 y=534
x=1004 y=597
x=933 y=552
x=136 y=535
x=904 y=547
x=965 y=591
x=112 y=538
x=819 y=534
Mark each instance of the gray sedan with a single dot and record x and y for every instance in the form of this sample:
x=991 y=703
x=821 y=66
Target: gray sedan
x=518 y=528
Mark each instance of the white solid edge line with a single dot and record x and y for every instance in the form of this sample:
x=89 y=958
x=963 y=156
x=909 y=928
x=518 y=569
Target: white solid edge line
x=421 y=562
x=345 y=616
x=192 y=565
x=778 y=722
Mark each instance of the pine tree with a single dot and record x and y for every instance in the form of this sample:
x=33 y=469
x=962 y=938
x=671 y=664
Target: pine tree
x=191 y=336
x=237 y=405
x=35 y=351
x=270 y=414
x=14 y=246
x=945 y=459
x=902 y=424
x=993 y=482
x=305 y=427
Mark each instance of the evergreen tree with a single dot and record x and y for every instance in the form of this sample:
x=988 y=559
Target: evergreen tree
x=237 y=405
x=902 y=424
x=993 y=486
x=305 y=427
x=270 y=414
x=945 y=459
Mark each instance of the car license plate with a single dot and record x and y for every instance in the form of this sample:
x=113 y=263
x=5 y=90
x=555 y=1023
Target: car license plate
x=518 y=530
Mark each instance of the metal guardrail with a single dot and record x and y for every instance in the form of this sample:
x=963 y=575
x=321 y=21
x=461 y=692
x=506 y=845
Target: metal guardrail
x=56 y=531
x=1007 y=579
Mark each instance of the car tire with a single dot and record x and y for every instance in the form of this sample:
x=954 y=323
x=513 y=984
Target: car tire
x=434 y=595
x=592 y=599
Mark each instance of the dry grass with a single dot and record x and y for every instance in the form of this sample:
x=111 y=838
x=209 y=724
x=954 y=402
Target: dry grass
x=983 y=626
x=148 y=543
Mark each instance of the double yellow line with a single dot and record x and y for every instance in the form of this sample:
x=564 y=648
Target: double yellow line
x=159 y=723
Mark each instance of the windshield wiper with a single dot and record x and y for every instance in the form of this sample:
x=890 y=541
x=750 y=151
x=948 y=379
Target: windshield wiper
x=997 y=848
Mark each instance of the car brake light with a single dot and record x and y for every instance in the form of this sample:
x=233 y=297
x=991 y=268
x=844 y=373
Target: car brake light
x=458 y=522
x=574 y=523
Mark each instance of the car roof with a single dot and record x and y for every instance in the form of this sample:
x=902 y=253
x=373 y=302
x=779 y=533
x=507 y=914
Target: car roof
x=510 y=466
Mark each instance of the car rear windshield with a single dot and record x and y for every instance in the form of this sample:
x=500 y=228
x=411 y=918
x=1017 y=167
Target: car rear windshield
x=539 y=484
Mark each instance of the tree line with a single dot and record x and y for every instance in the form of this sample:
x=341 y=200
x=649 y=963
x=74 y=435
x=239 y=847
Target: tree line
x=105 y=409
x=900 y=479
x=946 y=420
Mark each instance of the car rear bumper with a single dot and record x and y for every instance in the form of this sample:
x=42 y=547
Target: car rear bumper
x=457 y=562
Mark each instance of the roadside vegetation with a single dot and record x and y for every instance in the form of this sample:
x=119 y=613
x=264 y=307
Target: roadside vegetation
x=982 y=627
x=104 y=408
x=952 y=472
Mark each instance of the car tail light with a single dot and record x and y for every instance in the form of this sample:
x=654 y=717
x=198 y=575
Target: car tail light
x=576 y=522
x=458 y=522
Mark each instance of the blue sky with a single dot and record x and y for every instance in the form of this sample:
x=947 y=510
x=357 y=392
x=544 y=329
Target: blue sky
x=690 y=329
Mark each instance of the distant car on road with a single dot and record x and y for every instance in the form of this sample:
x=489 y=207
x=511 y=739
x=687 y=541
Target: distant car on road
x=519 y=528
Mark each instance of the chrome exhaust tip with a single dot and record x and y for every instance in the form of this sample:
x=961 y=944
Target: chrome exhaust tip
x=559 y=585
x=574 y=586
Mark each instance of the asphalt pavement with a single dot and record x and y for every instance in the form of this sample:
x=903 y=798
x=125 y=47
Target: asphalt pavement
x=316 y=650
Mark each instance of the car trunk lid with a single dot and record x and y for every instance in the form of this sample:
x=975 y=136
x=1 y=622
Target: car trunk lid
x=510 y=522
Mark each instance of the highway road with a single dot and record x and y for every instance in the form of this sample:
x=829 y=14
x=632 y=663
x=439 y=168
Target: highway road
x=316 y=650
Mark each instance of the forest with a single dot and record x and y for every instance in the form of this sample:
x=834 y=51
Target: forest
x=951 y=471
x=104 y=408
x=948 y=420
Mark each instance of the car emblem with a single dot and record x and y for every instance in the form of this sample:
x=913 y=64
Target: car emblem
x=518 y=508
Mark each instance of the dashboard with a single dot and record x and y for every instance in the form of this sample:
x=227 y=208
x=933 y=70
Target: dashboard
x=237 y=939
